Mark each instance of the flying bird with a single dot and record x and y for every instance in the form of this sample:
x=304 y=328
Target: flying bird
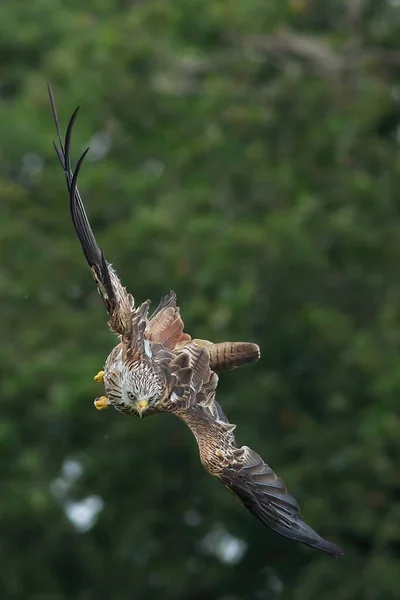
x=157 y=367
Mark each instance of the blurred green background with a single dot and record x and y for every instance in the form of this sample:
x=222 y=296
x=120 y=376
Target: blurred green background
x=246 y=154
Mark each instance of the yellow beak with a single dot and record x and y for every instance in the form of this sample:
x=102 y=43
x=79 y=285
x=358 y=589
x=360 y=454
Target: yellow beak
x=141 y=407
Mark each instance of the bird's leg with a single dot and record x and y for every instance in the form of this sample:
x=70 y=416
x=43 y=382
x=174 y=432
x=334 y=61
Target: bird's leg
x=99 y=377
x=101 y=403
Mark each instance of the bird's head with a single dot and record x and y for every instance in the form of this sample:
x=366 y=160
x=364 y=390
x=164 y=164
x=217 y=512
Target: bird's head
x=139 y=389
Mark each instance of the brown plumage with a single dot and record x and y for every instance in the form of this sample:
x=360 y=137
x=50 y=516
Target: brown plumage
x=157 y=367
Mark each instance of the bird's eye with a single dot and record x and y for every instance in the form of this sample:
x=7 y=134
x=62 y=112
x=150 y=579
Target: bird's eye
x=131 y=396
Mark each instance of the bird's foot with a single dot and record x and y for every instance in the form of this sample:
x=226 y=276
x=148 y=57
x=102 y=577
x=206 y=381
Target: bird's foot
x=99 y=377
x=101 y=403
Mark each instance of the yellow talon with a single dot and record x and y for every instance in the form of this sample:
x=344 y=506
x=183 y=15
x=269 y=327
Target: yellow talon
x=101 y=403
x=99 y=377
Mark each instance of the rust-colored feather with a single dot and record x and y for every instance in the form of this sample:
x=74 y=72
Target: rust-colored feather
x=166 y=324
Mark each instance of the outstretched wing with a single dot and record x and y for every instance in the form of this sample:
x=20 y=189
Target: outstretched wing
x=243 y=471
x=265 y=495
x=119 y=303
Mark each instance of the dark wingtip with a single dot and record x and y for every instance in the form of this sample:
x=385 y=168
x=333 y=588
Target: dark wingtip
x=63 y=152
x=85 y=234
x=79 y=217
x=56 y=121
x=332 y=549
x=60 y=155
x=67 y=142
x=335 y=551
x=92 y=252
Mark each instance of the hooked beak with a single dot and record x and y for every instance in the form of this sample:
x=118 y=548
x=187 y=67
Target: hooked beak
x=141 y=407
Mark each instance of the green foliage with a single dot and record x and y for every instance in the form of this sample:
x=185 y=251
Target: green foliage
x=244 y=153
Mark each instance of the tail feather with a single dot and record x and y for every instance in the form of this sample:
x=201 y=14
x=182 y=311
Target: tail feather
x=230 y=355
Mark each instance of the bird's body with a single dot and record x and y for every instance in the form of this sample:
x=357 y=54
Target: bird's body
x=157 y=367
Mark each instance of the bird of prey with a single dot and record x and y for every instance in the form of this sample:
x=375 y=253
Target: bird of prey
x=157 y=367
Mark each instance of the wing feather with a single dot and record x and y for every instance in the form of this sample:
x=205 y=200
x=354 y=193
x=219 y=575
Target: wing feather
x=166 y=324
x=244 y=472
x=265 y=496
x=119 y=303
